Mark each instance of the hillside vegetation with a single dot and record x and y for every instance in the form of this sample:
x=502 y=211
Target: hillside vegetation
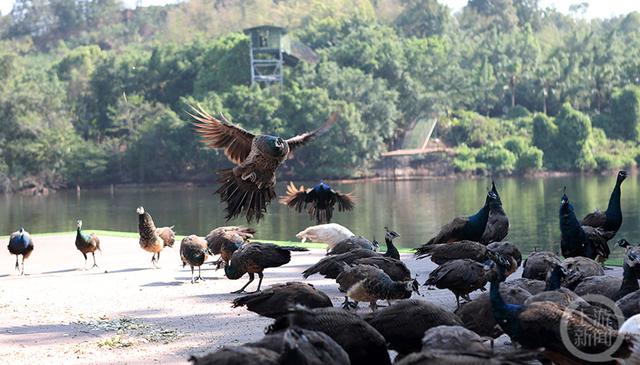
x=93 y=93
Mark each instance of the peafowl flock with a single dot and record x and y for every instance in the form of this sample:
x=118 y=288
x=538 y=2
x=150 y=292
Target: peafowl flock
x=87 y=243
x=317 y=201
x=248 y=188
x=537 y=325
x=20 y=243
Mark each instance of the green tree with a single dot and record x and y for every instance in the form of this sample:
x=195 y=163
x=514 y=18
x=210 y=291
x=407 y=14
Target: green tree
x=624 y=121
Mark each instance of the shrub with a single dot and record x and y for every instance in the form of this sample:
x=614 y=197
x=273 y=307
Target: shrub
x=496 y=158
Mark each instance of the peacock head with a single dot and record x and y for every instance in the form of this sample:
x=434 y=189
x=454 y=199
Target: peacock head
x=277 y=146
x=21 y=230
x=492 y=198
x=322 y=186
x=140 y=210
x=621 y=176
x=390 y=235
x=624 y=243
x=79 y=223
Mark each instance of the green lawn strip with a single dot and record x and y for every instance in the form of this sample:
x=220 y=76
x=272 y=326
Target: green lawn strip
x=310 y=245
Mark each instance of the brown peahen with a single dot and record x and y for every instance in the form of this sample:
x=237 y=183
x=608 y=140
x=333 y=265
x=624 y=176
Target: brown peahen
x=224 y=241
x=318 y=201
x=462 y=277
x=404 y=323
x=279 y=298
x=362 y=342
x=366 y=283
x=20 y=243
x=194 y=252
x=248 y=188
x=153 y=239
x=87 y=243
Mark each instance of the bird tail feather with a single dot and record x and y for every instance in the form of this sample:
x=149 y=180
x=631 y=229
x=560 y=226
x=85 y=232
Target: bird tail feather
x=243 y=197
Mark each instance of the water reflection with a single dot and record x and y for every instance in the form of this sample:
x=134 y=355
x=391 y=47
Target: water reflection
x=416 y=209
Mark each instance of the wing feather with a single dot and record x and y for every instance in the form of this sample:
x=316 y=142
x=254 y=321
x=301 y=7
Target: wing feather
x=302 y=139
x=345 y=201
x=222 y=134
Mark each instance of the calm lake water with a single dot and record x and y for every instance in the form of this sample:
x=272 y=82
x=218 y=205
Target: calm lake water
x=416 y=209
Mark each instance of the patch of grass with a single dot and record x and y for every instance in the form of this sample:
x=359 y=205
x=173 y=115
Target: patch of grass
x=129 y=332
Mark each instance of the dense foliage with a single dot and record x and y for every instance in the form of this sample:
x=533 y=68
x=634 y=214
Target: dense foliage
x=92 y=93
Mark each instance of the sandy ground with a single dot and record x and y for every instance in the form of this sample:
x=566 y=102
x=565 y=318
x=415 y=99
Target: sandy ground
x=127 y=312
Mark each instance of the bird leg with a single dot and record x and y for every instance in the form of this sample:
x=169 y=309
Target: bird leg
x=260 y=276
x=373 y=305
x=84 y=267
x=154 y=261
x=199 y=274
x=251 y=277
x=192 y=281
x=17 y=265
x=22 y=272
x=457 y=301
x=466 y=297
x=348 y=304
x=94 y=260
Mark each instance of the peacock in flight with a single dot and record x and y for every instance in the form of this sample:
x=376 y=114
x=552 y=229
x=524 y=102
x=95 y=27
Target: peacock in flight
x=318 y=201
x=249 y=187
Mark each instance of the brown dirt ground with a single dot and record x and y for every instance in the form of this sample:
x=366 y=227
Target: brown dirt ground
x=127 y=312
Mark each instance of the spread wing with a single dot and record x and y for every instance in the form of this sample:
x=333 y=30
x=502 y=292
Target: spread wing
x=302 y=139
x=345 y=200
x=297 y=198
x=222 y=134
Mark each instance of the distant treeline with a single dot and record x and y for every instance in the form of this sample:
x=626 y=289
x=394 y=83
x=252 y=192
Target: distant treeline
x=92 y=93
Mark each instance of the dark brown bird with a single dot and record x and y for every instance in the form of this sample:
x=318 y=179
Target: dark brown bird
x=498 y=223
x=318 y=201
x=478 y=316
x=248 y=187
x=362 y=342
x=462 y=277
x=610 y=220
x=444 y=252
x=578 y=269
x=224 y=241
x=20 y=243
x=447 y=357
x=153 y=239
x=508 y=249
x=253 y=258
x=298 y=346
x=539 y=264
x=279 y=298
x=331 y=266
x=353 y=243
x=238 y=355
x=531 y=285
x=194 y=252
x=453 y=337
x=465 y=228
x=366 y=283
x=87 y=243
x=404 y=323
